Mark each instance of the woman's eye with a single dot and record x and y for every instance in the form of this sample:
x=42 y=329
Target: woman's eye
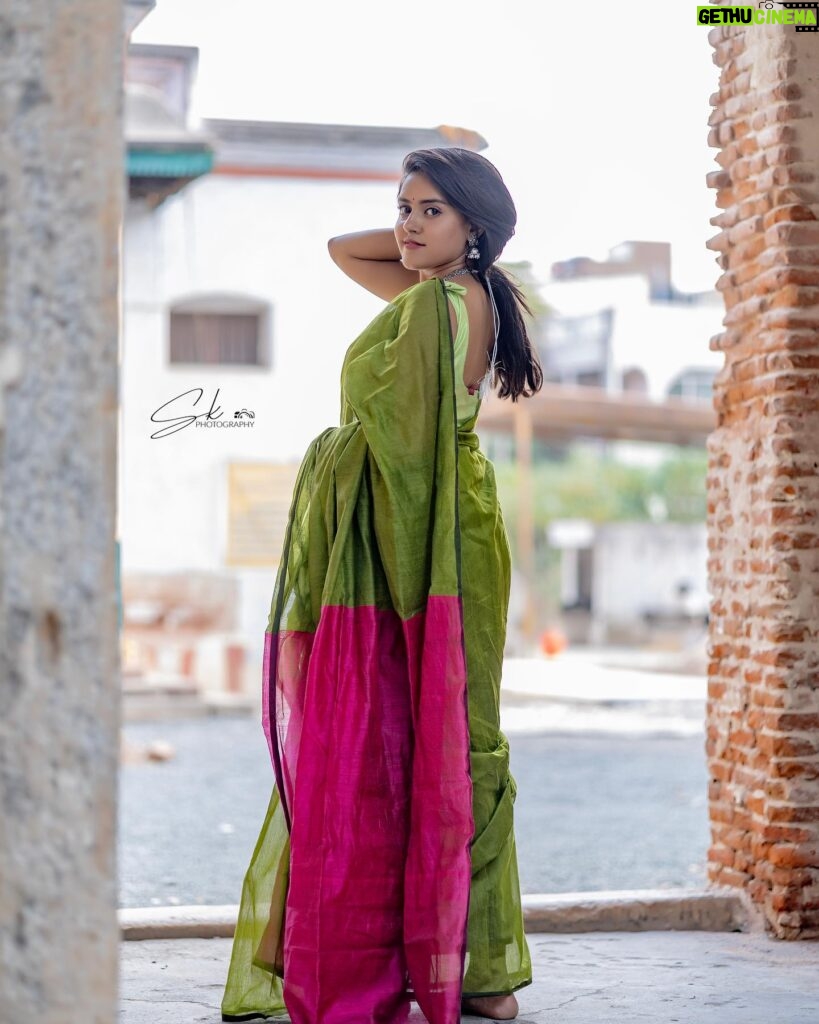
x=404 y=210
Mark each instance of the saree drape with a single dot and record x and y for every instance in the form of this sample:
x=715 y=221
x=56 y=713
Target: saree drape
x=386 y=866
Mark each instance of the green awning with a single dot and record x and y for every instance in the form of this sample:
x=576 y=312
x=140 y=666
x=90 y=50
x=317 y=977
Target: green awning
x=158 y=163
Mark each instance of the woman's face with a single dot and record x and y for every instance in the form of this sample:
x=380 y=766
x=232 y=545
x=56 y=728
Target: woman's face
x=431 y=234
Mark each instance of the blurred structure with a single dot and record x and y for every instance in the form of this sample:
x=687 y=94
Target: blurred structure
x=640 y=583
x=61 y=201
x=232 y=309
x=626 y=372
x=235 y=317
x=622 y=325
x=165 y=152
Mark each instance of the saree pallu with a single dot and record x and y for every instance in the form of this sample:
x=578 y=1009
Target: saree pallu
x=386 y=866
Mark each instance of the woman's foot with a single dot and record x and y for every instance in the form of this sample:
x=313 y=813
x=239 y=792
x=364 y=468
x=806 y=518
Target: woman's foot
x=503 y=1007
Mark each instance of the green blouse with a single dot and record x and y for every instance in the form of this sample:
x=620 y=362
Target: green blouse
x=465 y=403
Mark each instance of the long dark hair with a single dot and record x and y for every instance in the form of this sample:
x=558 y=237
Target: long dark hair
x=473 y=185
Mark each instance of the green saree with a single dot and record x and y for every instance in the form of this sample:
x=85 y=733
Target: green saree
x=386 y=866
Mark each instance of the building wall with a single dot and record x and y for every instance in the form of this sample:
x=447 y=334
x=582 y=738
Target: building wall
x=264 y=238
x=639 y=566
x=661 y=338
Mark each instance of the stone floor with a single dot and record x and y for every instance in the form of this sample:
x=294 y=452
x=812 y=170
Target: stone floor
x=694 y=977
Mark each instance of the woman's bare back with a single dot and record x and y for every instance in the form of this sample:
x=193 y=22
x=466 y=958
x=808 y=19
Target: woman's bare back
x=481 y=329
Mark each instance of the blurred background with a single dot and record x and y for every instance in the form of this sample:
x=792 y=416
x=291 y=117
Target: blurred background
x=253 y=134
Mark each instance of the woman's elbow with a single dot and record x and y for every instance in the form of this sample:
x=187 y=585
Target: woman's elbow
x=335 y=248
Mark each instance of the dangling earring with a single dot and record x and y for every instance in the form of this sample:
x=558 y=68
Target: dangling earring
x=474 y=252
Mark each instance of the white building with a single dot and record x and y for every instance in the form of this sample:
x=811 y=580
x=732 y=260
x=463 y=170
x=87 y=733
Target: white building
x=231 y=305
x=236 y=322
x=622 y=326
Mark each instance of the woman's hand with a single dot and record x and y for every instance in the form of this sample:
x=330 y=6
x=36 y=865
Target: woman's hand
x=372 y=259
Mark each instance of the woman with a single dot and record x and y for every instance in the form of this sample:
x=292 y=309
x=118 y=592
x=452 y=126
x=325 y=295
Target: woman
x=386 y=867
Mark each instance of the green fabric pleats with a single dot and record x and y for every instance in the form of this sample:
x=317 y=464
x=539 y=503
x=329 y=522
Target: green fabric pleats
x=498 y=958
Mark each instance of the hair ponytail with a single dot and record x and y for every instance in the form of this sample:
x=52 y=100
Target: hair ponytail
x=517 y=364
x=474 y=186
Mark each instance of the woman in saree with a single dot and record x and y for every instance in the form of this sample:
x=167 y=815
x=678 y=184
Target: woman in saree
x=386 y=868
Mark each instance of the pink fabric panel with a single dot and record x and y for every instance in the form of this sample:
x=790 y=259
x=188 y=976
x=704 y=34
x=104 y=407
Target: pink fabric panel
x=381 y=816
x=438 y=866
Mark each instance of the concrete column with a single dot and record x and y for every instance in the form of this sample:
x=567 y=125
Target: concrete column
x=61 y=198
x=763 y=481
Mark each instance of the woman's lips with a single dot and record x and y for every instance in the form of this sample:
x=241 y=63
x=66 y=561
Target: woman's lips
x=413 y=245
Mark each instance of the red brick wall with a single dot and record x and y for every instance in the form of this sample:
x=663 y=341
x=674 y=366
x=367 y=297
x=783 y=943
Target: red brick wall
x=762 y=738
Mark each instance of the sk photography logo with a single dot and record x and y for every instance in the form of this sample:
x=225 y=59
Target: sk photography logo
x=178 y=413
x=804 y=16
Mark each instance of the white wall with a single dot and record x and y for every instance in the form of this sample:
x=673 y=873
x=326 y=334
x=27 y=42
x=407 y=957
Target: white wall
x=265 y=238
x=637 y=567
x=662 y=338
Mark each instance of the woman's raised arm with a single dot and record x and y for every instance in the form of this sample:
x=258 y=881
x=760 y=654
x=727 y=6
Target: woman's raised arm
x=372 y=259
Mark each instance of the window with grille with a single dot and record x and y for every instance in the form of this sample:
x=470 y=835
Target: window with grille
x=694 y=383
x=220 y=329
x=216 y=338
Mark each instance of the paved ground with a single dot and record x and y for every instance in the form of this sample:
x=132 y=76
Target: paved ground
x=659 y=977
x=609 y=761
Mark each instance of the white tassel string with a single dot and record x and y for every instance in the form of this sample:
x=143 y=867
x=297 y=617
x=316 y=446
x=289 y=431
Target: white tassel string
x=488 y=380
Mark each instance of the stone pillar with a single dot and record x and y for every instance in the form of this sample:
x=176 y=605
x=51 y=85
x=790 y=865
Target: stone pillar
x=61 y=198
x=763 y=479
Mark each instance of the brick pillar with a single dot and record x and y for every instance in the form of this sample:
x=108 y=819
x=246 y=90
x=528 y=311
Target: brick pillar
x=763 y=478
